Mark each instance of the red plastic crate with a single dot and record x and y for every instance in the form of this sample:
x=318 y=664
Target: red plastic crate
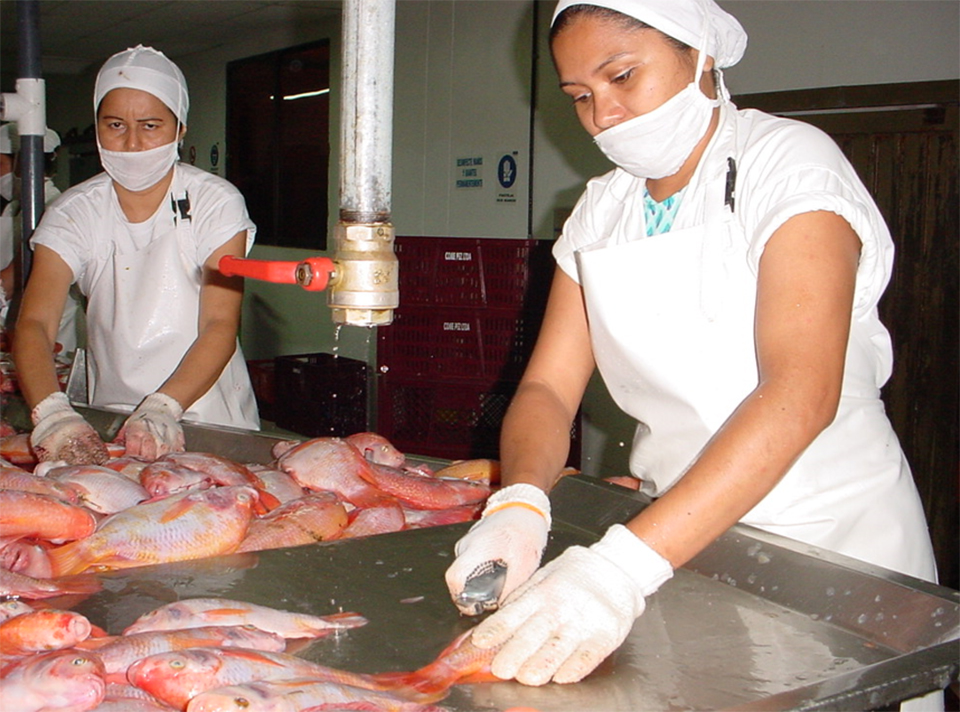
x=452 y=419
x=457 y=342
x=474 y=272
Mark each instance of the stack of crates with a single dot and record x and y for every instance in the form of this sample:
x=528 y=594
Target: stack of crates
x=470 y=310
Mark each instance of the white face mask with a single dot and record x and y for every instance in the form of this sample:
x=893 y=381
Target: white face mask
x=139 y=170
x=6 y=186
x=655 y=145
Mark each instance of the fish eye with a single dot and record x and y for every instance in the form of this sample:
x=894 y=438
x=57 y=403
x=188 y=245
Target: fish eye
x=241 y=702
x=79 y=661
x=177 y=664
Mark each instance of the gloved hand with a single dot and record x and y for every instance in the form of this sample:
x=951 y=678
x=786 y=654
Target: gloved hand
x=574 y=611
x=512 y=531
x=61 y=433
x=153 y=429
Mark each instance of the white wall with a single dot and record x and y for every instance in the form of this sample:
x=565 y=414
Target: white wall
x=463 y=89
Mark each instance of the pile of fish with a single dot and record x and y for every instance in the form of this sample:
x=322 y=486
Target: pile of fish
x=59 y=520
x=60 y=525
x=206 y=655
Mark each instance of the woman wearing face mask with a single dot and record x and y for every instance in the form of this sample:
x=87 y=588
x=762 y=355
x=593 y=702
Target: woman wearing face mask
x=142 y=241
x=724 y=279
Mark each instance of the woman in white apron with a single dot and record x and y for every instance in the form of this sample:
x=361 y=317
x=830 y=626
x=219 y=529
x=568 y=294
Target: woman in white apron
x=142 y=241
x=724 y=279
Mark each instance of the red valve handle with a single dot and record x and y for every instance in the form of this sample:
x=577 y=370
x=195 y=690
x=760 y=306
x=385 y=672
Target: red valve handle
x=313 y=273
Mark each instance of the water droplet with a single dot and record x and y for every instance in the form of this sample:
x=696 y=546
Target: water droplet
x=862 y=618
x=384 y=368
x=831 y=590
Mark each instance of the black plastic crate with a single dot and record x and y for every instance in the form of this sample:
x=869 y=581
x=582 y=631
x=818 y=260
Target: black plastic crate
x=321 y=395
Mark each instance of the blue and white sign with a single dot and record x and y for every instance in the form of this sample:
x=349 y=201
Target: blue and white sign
x=507 y=171
x=507 y=177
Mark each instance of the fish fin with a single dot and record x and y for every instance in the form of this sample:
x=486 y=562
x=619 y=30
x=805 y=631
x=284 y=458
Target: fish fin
x=413 y=686
x=96 y=643
x=177 y=509
x=67 y=559
x=345 y=620
x=266 y=502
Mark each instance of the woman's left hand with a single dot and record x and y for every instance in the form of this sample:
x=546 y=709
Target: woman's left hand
x=153 y=430
x=575 y=611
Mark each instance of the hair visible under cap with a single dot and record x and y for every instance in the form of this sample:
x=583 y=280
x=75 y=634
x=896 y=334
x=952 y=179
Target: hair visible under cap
x=145 y=69
x=568 y=15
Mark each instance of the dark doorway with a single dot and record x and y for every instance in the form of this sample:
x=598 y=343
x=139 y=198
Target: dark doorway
x=278 y=147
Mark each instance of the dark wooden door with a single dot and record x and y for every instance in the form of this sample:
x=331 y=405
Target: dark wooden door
x=902 y=139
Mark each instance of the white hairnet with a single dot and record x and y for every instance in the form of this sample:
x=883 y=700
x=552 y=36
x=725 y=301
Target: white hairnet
x=148 y=70
x=683 y=20
x=10 y=139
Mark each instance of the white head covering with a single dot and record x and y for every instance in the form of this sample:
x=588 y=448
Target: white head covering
x=683 y=20
x=148 y=70
x=10 y=139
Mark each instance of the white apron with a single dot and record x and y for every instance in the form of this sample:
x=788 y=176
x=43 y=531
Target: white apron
x=671 y=321
x=142 y=316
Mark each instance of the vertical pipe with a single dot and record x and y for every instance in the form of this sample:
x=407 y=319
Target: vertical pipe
x=366 y=127
x=31 y=145
x=364 y=289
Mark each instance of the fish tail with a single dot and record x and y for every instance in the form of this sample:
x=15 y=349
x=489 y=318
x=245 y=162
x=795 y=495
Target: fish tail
x=67 y=559
x=413 y=686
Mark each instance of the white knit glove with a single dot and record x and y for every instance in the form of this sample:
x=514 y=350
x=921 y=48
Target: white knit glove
x=61 y=433
x=574 y=611
x=512 y=532
x=153 y=429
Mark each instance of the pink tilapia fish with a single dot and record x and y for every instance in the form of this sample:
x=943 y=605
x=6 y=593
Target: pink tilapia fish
x=319 y=516
x=163 y=478
x=423 y=518
x=422 y=492
x=278 y=483
x=118 y=652
x=42 y=630
x=15 y=584
x=282 y=446
x=40 y=516
x=332 y=465
x=381 y=517
x=224 y=472
x=178 y=677
x=23 y=556
x=100 y=489
x=61 y=681
x=192 y=525
x=376 y=448
x=15 y=478
x=300 y=695
x=194 y=612
x=460 y=662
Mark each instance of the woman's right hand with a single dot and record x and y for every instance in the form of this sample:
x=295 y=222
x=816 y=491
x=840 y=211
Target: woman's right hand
x=512 y=533
x=61 y=433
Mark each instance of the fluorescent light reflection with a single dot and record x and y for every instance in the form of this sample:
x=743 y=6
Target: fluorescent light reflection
x=303 y=95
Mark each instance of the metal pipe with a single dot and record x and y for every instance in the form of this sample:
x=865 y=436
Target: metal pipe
x=364 y=289
x=31 y=127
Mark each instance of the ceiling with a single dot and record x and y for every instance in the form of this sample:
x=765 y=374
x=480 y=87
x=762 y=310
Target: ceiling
x=78 y=34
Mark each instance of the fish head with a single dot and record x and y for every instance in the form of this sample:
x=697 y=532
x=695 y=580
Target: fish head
x=176 y=677
x=240 y=698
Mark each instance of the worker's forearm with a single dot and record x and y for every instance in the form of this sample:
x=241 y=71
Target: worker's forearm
x=202 y=365
x=33 y=355
x=745 y=459
x=535 y=439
